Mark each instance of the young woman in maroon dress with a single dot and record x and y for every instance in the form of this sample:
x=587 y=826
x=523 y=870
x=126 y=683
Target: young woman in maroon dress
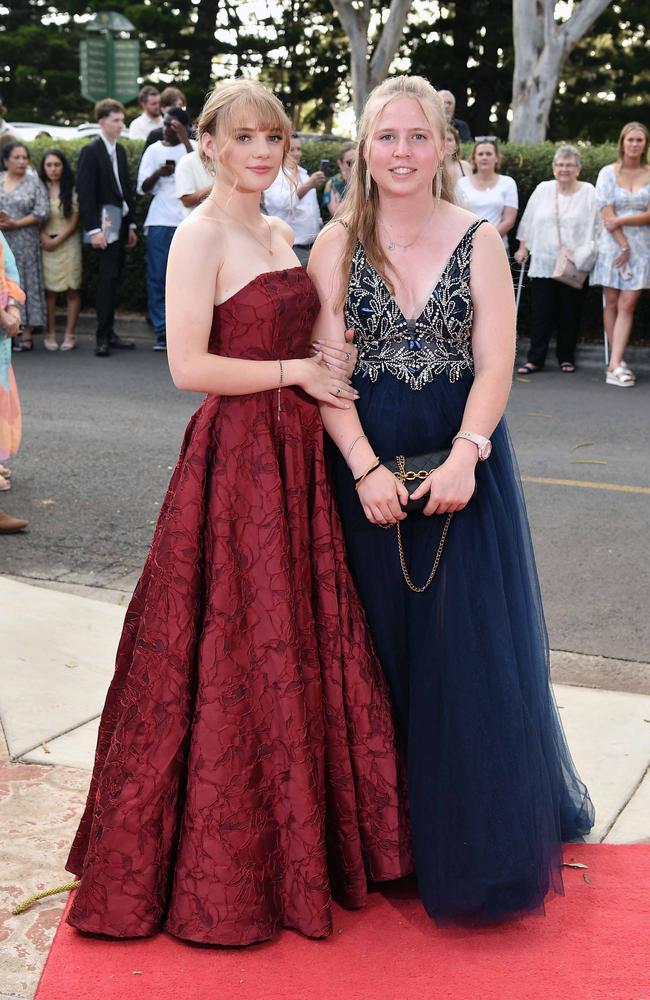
x=245 y=766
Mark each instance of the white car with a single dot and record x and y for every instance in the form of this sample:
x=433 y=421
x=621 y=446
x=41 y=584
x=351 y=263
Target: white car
x=28 y=131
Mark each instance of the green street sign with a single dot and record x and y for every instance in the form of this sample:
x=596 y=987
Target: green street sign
x=109 y=66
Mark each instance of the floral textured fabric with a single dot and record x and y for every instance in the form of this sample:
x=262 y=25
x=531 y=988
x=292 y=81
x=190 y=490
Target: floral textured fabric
x=246 y=765
x=413 y=350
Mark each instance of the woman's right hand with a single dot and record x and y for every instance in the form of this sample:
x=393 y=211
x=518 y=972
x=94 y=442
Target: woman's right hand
x=521 y=255
x=382 y=495
x=325 y=384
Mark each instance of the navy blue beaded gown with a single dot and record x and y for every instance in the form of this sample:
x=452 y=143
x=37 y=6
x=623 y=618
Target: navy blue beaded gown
x=493 y=790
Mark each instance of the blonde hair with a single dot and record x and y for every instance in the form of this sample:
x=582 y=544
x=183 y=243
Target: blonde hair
x=630 y=127
x=361 y=200
x=235 y=104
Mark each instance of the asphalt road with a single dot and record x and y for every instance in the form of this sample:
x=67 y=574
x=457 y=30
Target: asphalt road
x=102 y=435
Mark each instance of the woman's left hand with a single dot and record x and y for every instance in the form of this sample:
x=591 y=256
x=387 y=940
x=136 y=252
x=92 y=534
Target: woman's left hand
x=342 y=360
x=6 y=223
x=613 y=223
x=451 y=486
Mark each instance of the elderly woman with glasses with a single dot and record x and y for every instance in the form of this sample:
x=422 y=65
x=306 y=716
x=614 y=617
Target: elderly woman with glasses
x=335 y=187
x=486 y=192
x=560 y=215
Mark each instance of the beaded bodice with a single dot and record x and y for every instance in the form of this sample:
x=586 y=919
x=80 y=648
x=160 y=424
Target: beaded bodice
x=414 y=350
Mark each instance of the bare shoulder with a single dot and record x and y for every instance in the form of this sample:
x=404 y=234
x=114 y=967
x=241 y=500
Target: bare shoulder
x=487 y=239
x=282 y=228
x=201 y=232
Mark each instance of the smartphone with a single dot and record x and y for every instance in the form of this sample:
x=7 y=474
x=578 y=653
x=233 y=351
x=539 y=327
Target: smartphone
x=171 y=163
x=324 y=167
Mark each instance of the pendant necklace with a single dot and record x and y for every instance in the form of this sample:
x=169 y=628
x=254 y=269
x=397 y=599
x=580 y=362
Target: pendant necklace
x=394 y=245
x=268 y=248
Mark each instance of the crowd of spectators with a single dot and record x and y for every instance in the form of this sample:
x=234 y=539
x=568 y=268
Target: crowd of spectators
x=601 y=232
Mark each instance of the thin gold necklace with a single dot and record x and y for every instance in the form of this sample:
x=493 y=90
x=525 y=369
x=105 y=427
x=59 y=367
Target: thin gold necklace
x=247 y=227
x=393 y=244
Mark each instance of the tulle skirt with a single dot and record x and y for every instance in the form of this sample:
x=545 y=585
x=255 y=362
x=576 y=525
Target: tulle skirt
x=492 y=787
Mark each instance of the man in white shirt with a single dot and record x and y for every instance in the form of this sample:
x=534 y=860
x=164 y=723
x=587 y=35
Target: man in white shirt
x=193 y=181
x=149 y=100
x=297 y=206
x=156 y=176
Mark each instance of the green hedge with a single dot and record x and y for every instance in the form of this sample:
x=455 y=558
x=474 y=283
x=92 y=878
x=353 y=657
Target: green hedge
x=529 y=165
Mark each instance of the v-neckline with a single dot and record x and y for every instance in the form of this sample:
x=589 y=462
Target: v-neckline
x=416 y=319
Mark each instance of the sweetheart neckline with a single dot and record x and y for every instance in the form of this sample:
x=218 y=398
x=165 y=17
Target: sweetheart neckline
x=262 y=274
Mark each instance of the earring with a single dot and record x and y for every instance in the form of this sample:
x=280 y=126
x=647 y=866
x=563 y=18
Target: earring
x=437 y=184
x=367 y=183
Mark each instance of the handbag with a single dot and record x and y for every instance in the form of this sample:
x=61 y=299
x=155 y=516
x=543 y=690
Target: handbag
x=565 y=270
x=412 y=471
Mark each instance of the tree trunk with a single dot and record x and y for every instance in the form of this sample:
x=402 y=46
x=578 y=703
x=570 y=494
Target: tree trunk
x=367 y=72
x=541 y=49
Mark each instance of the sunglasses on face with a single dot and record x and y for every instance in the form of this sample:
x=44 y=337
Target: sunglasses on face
x=485 y=138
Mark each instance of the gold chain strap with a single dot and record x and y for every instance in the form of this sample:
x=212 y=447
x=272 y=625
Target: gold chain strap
x=404 y=475
x=436 y=561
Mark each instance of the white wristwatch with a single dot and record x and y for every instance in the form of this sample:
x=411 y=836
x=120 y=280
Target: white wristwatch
x=483 y=444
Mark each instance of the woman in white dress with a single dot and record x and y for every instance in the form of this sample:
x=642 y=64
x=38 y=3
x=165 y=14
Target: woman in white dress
x=623 y=263
x=486 y=192
x=560 y=214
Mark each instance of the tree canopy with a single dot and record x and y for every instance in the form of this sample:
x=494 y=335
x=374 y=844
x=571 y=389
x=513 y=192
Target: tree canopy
x=299 y=48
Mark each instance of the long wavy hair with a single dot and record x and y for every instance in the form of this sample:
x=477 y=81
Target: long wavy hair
x=66 y=184
x=360 y=206
x=235 y=103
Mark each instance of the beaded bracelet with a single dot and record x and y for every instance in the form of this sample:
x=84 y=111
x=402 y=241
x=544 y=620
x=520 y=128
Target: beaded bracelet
x=360 y=438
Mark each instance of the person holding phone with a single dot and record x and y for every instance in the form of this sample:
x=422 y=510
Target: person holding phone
x=156 y=177
x=294 y=200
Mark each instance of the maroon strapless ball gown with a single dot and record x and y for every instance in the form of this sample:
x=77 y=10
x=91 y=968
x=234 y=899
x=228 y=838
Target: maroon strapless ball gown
x=246 y=766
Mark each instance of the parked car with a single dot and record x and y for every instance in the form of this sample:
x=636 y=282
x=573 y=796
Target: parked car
x=28 y=131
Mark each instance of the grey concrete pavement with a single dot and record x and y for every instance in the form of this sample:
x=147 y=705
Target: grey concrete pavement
x=102 y=435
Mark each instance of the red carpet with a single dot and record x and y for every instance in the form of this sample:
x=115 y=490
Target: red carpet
x=593 y=944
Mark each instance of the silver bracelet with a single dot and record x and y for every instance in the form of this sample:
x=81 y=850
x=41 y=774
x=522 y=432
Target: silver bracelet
x=280 y=389
x=360 y=438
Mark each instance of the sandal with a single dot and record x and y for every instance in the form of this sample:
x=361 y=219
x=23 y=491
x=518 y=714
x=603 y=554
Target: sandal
x=49 y=342
x=4 y=484
x=24 y=344
x=528 y=369
x=4 y=471
x=567 y=366
x=69 y=342
x=621 y=377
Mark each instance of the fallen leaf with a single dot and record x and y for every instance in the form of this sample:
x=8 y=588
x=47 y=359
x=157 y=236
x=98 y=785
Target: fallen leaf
x=72 y=663
x=587 y=879
x=588 y=461
x=583 y=444
x=136 y=973
x=44 y=502
x=518 y=378
x=46 y=749
x=573 y=864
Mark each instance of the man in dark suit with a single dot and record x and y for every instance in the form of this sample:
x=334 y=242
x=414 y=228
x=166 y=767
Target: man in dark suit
x=103 y=180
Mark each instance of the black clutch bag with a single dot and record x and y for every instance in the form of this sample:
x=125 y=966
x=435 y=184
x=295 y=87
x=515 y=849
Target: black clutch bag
x=412 y=470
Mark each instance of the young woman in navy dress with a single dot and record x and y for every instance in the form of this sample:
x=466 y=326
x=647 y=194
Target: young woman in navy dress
x=426 y=287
